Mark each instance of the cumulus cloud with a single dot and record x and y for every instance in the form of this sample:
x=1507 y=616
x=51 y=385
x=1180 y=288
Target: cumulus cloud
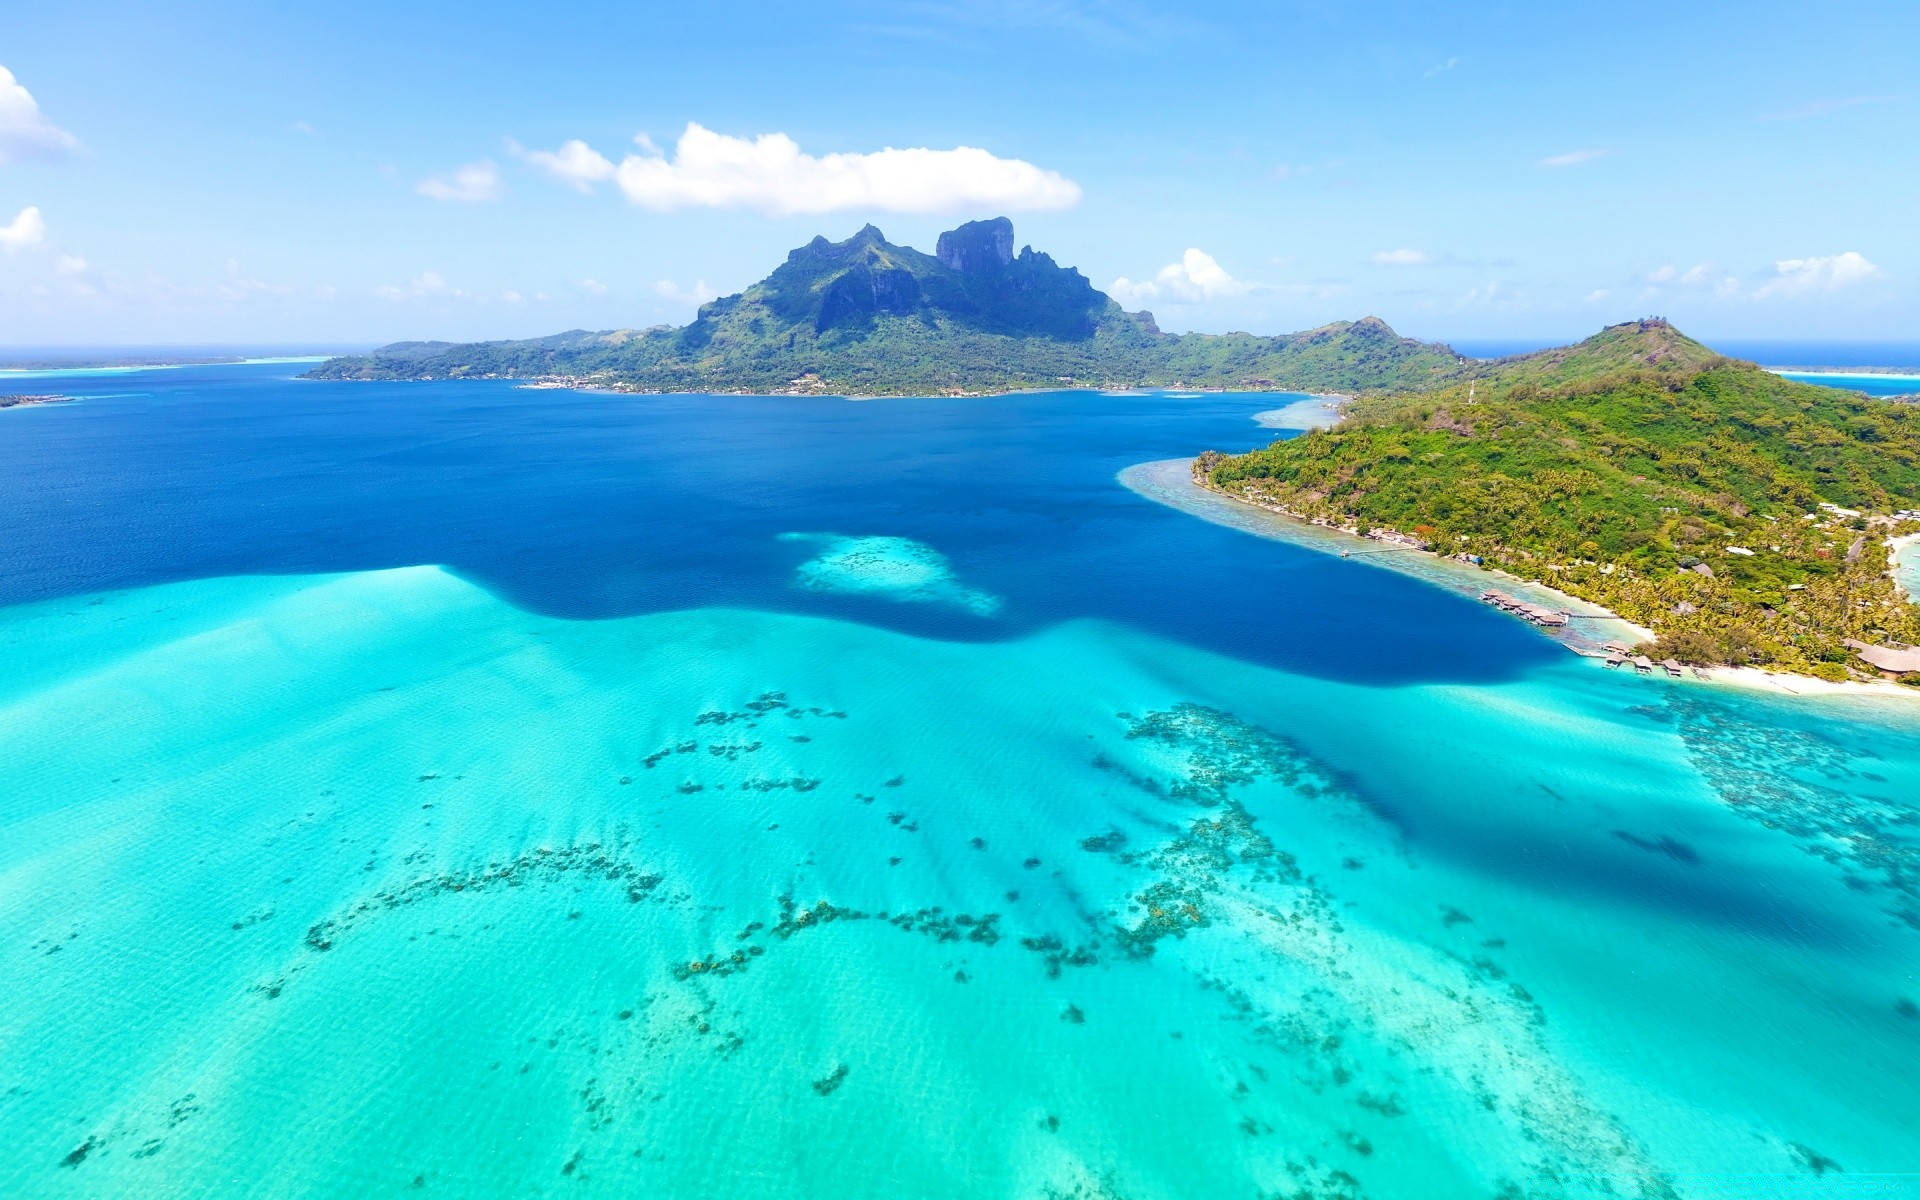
x=24 y=131
x=1401 y=258
x=474 y=183
x=1195 y=279
x=27 y=230
x=1597 y=295
x=771 y=174
x=1828 y=273
x=575 y=164
x=1573 y=158
x=592 y=287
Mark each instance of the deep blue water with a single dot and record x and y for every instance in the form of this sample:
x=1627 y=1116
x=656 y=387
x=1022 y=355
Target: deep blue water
x=587 y=505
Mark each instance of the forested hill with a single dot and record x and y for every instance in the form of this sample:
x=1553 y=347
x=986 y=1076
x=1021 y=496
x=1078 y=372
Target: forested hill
x=871 y=318
x=1692 y=493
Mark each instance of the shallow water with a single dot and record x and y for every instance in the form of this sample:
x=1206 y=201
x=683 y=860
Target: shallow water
x=1872 y=383
x=1002 y=833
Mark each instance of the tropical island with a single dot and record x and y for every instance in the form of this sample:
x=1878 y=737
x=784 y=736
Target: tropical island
x=866 y=317
x=1743 y=517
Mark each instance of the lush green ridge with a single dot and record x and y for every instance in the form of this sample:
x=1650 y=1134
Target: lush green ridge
x=1631 y=470
x=872 y=318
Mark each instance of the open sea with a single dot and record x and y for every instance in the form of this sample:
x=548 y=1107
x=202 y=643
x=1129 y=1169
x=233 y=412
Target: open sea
x=462 y=790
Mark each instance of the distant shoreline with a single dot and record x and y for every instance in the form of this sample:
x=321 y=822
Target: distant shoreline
x=1161 y=482
x=25 y=401
x=561 y=384
x=18 y=370
x=1890 y=372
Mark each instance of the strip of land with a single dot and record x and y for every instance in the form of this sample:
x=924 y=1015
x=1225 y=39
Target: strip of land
x=1744 y=519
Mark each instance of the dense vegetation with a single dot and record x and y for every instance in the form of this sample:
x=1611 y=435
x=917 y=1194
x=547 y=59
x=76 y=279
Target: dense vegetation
x=1634 y=469
x=872 y=318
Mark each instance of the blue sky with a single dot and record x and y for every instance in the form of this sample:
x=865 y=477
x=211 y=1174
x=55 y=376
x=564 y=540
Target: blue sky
x=233 y=173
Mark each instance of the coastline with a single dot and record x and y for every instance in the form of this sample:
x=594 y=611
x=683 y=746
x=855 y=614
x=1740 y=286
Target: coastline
x=1315 y=401
x=1320 y=410
x=24 y=401
x=51 y=371
x=1170 y=482
x=1883 y=372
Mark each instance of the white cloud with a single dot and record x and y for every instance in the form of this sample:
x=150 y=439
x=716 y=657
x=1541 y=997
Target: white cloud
x=1573 y=158
x=1829 y=273
x=70 y=264
x=1699 y=277
x=1402 y=258
x=698 y=294
x=1196 y=278
x=472 y=184
x=26 y=230
x=1437 y=69
x=575 y=164
x=24 y=131
x=771 y=174
x=1597 y=295
x=593 y=287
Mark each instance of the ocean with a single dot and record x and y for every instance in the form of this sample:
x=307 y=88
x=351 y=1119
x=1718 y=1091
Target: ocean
x=466 y=790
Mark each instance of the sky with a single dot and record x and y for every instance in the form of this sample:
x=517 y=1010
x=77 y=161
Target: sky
x=348 y=173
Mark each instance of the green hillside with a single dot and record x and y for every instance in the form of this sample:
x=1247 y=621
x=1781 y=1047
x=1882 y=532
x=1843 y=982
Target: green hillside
x=872 y=318
x=1633 y=469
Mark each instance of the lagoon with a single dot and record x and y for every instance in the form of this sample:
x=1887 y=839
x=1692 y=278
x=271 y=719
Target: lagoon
x=502 y=792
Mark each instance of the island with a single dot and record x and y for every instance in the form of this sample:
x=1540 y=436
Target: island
x=866 y=317
x=22 y=401
x=1745 y=518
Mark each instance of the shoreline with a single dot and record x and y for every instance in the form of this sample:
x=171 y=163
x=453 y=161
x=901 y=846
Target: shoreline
x=1884 y=372
x=50 y=370
x=1170 y=482
x=34 y=401
x=1905 y=553
x=1320 y=410
x=1161 y=482
x=561 y=383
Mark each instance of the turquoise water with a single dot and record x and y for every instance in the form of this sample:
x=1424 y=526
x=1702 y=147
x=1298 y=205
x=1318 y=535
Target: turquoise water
x=1873 y=384
x=919 y=874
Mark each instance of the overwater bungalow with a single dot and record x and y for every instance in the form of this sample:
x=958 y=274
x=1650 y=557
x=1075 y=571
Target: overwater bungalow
x=1672 y=667
x=1643 y=664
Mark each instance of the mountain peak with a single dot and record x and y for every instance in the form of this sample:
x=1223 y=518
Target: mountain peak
x=977 y=246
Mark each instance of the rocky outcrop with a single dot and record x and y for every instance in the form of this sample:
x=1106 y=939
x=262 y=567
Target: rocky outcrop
x=976 y=248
